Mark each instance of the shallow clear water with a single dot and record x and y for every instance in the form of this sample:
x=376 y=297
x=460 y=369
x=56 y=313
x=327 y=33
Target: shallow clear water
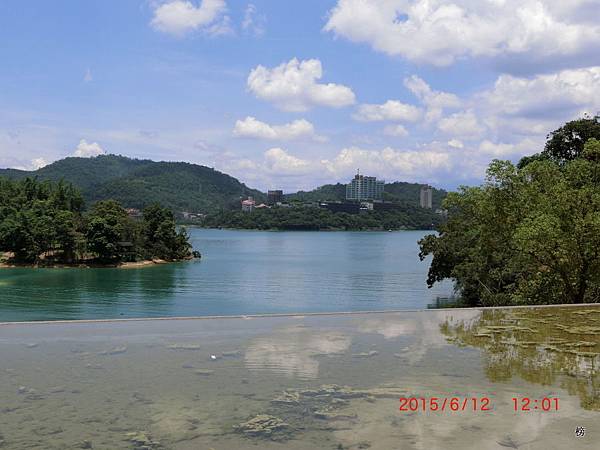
x=303 y=382
x=241 y=272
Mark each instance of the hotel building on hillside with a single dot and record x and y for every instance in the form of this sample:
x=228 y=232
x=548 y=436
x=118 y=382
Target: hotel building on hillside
x=364 y=188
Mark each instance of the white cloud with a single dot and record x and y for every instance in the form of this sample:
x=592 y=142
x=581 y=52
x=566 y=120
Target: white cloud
x=293 y=86
x=455 y=143
x=395 y=130
x=503 y=150
x=461 y=124
x=281 y=162
x=389 y=163
x=392 y=110
x=435 y=101
x=88 y=150
x=575 y=91
x=221 y=28
x=178 y=17
x=298 y=129
x=38 y=163
x=253 y=21
x=439 y=32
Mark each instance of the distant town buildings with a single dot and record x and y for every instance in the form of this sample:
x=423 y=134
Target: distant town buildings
x=426 y=198
x=274 y=197
x=248 y=204
x=364 y=188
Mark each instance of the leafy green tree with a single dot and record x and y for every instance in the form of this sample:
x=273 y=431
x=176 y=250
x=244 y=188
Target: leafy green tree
x=529 y=235
x=160 y=236
x=567 y=142
x=37 y=218
x=107 y=228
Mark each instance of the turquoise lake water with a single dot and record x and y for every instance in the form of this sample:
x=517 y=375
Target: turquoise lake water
x=241 y=272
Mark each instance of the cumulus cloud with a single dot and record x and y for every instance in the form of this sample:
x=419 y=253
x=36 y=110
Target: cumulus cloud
x=279 y=161
x=251 y=127
x=178 y=17
x=253 y=22
x=88 y=150
x=38 y=163
x=504 y=150
x=461 y=124
x=395 y=130
x=293 y=86
x=439 y=32
x=434 y=101
x=392 y=110
x=455 y=143
x=389 y=162
x=575 y=91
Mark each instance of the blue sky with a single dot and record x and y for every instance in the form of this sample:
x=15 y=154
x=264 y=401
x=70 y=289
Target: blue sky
x=296 y=94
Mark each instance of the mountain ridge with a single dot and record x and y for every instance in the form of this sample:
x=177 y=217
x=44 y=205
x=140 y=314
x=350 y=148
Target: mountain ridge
x=182 y=186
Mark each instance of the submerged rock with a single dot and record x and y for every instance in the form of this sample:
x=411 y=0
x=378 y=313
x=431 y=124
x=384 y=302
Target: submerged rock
x=265 y=426
x=142 y=441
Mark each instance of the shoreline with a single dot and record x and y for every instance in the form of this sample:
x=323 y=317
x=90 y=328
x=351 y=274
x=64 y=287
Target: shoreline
x=91 y=265
x=326 y=230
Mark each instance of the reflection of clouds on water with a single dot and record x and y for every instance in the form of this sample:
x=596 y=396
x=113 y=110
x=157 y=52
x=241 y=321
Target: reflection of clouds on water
x=422 y=330
x=502 y=428
x=292 y=351
x=469 y=430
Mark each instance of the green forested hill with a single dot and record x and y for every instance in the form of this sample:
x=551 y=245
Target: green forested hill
x=409 y=193
x=137 y=183
x=181 y=186
x=400 y=191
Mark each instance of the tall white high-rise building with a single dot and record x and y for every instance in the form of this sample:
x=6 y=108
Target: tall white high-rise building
x=364 y=188
x=426 y=199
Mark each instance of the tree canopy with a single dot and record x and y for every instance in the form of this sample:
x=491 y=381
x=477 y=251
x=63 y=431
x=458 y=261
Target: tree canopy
x=44 y=221
x=567 y=142
x=529 y=234
x=314 y=219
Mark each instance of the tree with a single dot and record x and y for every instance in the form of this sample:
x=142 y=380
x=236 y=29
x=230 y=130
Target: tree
x=567 y=142
x=108 y=226
x=160 y=236
x=43 y=221
x=529 y=235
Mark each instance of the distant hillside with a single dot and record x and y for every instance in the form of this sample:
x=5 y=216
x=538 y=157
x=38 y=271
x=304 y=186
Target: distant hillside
x=137 y=183
x=182 y=186
x=407 y=193
x=327 y=192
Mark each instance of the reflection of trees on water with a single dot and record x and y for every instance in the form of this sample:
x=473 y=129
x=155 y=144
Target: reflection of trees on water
x=539 y=345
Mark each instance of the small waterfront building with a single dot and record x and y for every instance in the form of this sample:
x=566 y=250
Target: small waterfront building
x=426 y=197
x=364 y=188
x=248 y=204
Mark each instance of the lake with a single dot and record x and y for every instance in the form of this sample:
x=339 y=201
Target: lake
x=241 y=272
x=514 y=378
